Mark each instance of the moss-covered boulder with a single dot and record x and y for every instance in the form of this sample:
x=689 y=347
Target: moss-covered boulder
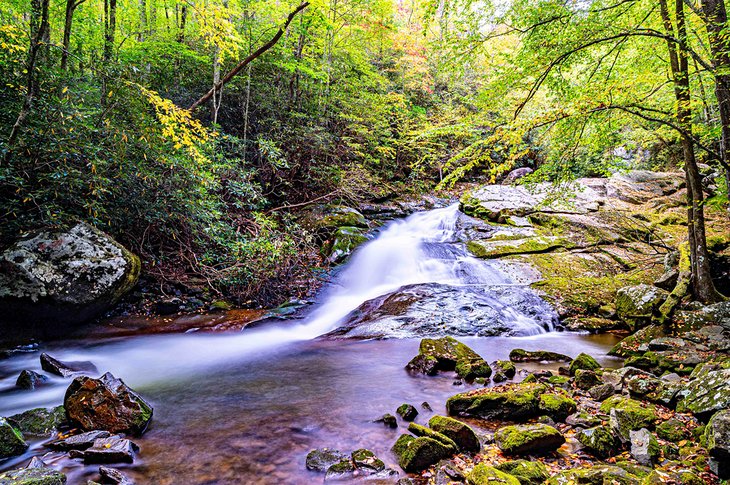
x=503 y=370
x=704 y=397
x=628 y=415
x=717 y=439
x=366 y=459
x=635 y=305
x=509 y=402
x=527 y=472
x=557 y=406
x=521 y=355
x=528 y=439
x=673 y=430
x=341 y=216
x=417 y=454
x=32 y=476
x=583 y=362
x=407 y=411
x=39 y=421
x=342 y=243
x=11 y=440
x=599 y=441
x=321 y=459
x=595 y=475
x=630 y=345
x=483 y=474
x=447 y=354
x=644 y=447
x=585 y=379
x=420 y=430
x=602 y=392
x=464 y=437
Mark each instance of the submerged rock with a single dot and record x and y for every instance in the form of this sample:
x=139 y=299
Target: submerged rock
x=447 y=354
x=321 y=459
x=78 y=442
x=388 y=420
x=528 y=439
x=67 y=276
x=33 y=476
x=106 y=404
x=30 y=380
x=65 y=369
x=11 y=440
x=366 y=459
x=114 y=476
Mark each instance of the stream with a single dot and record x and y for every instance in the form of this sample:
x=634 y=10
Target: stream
x=246 y=407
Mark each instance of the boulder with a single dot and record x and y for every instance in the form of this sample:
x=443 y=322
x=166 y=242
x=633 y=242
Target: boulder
x=11 y=440
x=30 y=380
x=366 y=460
x=583 y=362
x=557 y=406
x=599 y=441
x=66 y=369
x=32 y=476
x=106 y=404
x=628 y=415
x=516 y=174
x=321 y=459
x=673 y=430
x=78 y=442
x=60 y=277
x=717 y=437
x=39 y=421
x=407 y=412
x=417 y=454
x=447 y=354
x=509 y=402
x=503 y=370
x=483 y=474
x=520 y=355
x=705 y=396
x=343 y=242
x=461 y=434
x=528 y=439
x=388 y=420
x=583 y=419
x=108 y=450
x=527 y=472
x=644 y=447
x=635 y=305
x=419 y=430
x=595 y=475
x=601 y=392
x=113 y=476
x=586 y=379
x=341 y=470
x=341 y=216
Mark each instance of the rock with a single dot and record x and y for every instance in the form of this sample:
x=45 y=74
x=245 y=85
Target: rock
x=113 y=476
x=407 y=412
x=30 y=380
x=39 y=421
x=36 y=462
x=595 y=475
x=668 y=343
x=635 y=305
x=583 y=362
x=708 y=395
x=417 y=454
x=447 y=354
x=419 y=430
x=78 y=442
x=516 y=174
x=628 y=415
x=366 y=459
x=341 y=216
x=528 y=439
x=321 y=459
x=583 y=419
x=483 y=474
x=630 y=344
x=503 y=370
x=557 y=406
x=599 y=441
x=461 y=434
x=388 y=420
x=11 y=440
x=447 y=473
x=585 y=379
x=527 y=472
x=108 y=450
x=644 y=447
x=591 y=324
x=107 y=404
x=32 y=476
x=66 y=369
x=59 y=277
x=343 y=469
x=717 y=437
x=673 y=430
x=601 y=392
x=169 y=306
x=520 y=355
x=514 y=402
x=668 y=280
x=344 y=241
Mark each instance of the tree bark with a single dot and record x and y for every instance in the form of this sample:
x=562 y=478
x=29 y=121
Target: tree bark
x=110 y=27
x=71 y=6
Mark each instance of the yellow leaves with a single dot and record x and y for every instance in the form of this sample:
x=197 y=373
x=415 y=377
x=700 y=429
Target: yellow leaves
x=64 y=90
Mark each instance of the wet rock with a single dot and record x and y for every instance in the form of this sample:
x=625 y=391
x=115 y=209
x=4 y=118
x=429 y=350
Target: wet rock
x=419 y=430
x=108 y=450
x=36 y=462
x=708 y=395
x=39 y=421
x=601 y=392
x=341 y=470
x=635 y=305
x=599 y=441
x=556 y=406
x=528 y=439
x=461 y=434
x=417 y=454
x=527 y=472
x=583 y=419
x=341 y=216
x=321 y=459
x=407 y=412
x=583 y=362
x=483 y=474
x=628 y=415
x=447 y=354
x=425 y=405
x=514 y=402
x=388 y=420
x=343 y=242
x=448 y=473
x=66 y=369
x=11 y=440
x=366 y=460
x=32 y=476
x=644 y=447
x=668 y=343
x=113 y=476
x=169 y=306
x=67 y=276
x=585 y=379
x=78 y=442
x=107 y=404
x=503 y=370
x=30 y=380
x=596 y=474
x=717 y=437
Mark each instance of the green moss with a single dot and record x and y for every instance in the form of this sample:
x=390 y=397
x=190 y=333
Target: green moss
x=558 y=381
x=599 y=441
x=39 y=421
x=419 y=430
x=447 y=353
x=490 y=248
x=460 y=433
x=594 y=475
x=532 y=439
x=504 y=402
x=483 y=474
x=557 y=406
x=417 y=454
x=11 y=440
x=527 y=472
x=583 y=362
x=33 y=476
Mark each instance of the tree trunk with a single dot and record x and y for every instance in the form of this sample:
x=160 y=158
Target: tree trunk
x=142 y=20
x=71 y=6
x=183 y=21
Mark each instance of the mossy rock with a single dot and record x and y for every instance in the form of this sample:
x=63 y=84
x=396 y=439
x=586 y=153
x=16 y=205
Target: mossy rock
x=528 y=439
x=417 y=454
x=680 y=477
x=420 y=430
x=464 y=437
x=717 y=442
x=487 y=249
x=527 y=472
x=521 y=355
x=364 y=458
x=11 y=440
x=703 y=397
x=407 y=411
x=503 y=370
x=557 y=406
x=630 y=345
x=32 y=476
x=594 y=475
x=512 y=402
x=321 y=459
x=39 y=421
x=583 y=362
x=635 y=305
x=628 y=415
x=341 y=216
x=483 y=474
x=447 y=354
x=591 y=324
x=585 y=379
x=599 y=441
x=342 y=243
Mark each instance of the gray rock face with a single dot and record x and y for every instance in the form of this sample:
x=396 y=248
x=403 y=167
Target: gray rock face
x=707 y=395
x=434 y=310
x=108 y=450
x=516 y=174
x=44 y=476
x=636 y=304
x=644 y=447
x=64 y=276
x=78 y=442
x=717 y=435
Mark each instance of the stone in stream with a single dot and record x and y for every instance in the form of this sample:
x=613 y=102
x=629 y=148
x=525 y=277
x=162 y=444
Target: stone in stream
x=36 y=462
x=388 y=420
x=585 y=379
x=407 y=411
x=114 y=476
x=66 y=369
x=507 y=402
x=483 y=474
x=321 y=459
x=527 y=472
x=64 y=276
x=420 y=430
x=461 y=434
x=520 y=355
x=39 y=421
x=556 y=406
x=106 y=404
x=528 y=439
x=11 y=440
x=108 y=450
x=599 y=441
x=717 y=436
x=503 y=370
x=364 y=459
x=30 y=380
x=33 y=476
x=78 y=442
x=583 y=362
x=446 y=354
x=417 y=454
x=644 y=447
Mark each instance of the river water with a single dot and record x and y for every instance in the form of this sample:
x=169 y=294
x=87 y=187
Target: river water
x=246 y=407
